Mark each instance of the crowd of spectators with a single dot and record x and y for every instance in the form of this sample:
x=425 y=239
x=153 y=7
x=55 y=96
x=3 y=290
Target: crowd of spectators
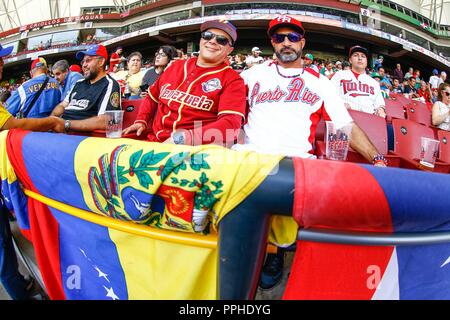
x=135 y=73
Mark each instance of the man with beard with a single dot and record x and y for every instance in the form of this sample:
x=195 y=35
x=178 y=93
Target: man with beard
x=84 y=106
x=286 y=103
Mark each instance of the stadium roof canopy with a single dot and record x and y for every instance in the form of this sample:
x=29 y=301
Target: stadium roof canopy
x=435 y=10
x=16 y=13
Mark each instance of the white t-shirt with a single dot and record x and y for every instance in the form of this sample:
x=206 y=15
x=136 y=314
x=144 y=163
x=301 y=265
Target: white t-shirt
x=443 y=109
x=361 y=92
x=434 y=82
x=251 y=60
x=284 y=112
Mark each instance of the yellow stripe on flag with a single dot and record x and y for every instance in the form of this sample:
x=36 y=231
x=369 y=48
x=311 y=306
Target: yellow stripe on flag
x=160 y=270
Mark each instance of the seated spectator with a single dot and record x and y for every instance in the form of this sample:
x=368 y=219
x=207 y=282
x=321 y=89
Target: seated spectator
x=254 y=58
x=115 y=59
x=378 y=78
x=425 y=92
x=37 y=97
x=328 y=70
x=131 y=79
x=397 y=87
x=379 y=63
x=163 y=57
x=239 y=62
x=440 y=113
x=182 y=110
x=385 y=82
x=435 y=80
x=358 y=90
x=4 y=95
x=308 y=62
x=409 y=74
x=84 y=106
x=346 y=65
x=410 y=89
x=443 y=77
x=418 y=79
x=398 y=73
x=65 y=77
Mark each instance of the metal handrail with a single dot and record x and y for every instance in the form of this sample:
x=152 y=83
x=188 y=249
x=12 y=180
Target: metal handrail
x=373 y=239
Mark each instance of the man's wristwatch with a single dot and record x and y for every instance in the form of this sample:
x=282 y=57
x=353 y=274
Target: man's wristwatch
x=67 y=125
x=179 y=137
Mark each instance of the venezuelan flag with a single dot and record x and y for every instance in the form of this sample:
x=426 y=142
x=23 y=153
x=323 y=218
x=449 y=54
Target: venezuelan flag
x=121 y=185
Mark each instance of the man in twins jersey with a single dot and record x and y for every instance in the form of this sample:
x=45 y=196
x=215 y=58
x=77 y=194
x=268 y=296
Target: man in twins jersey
x=358 y=90
x=286 y=103
x=199 y=100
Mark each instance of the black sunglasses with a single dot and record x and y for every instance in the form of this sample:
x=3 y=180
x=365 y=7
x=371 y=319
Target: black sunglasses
x=222 y=40
x=446 y=93
x=292 y=37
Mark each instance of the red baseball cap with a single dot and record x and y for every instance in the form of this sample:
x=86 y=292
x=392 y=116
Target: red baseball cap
x=94 y=50
x=75 y=68
x=285 y=21
x=38 y=63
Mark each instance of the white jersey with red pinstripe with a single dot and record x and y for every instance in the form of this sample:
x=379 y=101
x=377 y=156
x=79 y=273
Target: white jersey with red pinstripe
x=360 y=91
x=284 y=110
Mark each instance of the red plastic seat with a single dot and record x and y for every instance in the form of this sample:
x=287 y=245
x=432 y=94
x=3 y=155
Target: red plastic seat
x=375 y=128
x=407 y=144
x=131 y=108
x=407 y=136
x=394 y=110
x=444 y=145
x=418 y=112
x=399 y=98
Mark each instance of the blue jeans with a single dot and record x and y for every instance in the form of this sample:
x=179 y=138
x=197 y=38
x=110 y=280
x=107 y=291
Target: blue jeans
x=10 y=277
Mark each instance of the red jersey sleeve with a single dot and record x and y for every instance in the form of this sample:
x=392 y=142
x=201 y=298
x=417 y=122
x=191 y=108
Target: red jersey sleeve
x=233 y=99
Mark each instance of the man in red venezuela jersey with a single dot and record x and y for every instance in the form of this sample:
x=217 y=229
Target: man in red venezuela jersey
x=197 y=101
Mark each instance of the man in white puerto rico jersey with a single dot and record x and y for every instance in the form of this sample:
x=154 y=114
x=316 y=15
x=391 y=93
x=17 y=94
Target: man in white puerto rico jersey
x=358 y=90
x=286 y=103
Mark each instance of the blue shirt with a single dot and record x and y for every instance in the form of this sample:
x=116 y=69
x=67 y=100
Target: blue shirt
x=387 y=81
x=22 y=97
x=69 y=82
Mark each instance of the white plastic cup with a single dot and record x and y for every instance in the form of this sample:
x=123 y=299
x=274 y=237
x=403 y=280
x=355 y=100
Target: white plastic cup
x=429 y=152
x=338 y=140
x=114 y=123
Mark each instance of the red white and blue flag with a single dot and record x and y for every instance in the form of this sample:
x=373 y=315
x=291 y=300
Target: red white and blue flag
x=359 y=198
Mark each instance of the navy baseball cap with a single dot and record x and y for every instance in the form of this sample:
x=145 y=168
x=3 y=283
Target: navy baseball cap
x=94 y=50
x=435 y=72
x=5 y=51
x=358 y=49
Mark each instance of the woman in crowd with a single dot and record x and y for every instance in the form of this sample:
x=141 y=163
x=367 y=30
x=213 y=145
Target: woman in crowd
x=425 y=92
x=131 y=80
x=441 y=109
x=239 y=62
x=163 y=57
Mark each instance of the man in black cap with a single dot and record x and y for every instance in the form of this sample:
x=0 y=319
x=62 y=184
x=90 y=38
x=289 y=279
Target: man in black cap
x=203 y=90
x=359 y=91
